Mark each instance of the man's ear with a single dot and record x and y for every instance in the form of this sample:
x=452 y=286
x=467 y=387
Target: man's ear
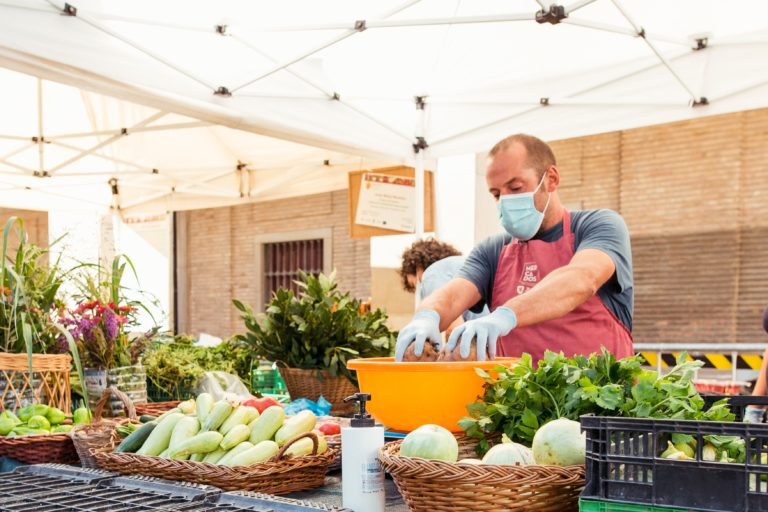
x=553 y=178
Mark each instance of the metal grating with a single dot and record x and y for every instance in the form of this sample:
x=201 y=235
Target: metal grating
x=52 y=487
x=284 y=260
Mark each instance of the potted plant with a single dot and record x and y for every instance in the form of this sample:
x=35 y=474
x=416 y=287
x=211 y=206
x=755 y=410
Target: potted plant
x=101 y=326
x=311 y=336
x=33 y=371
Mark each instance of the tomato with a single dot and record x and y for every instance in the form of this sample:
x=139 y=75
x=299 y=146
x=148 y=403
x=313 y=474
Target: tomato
x=261 y=403
x=330 y=428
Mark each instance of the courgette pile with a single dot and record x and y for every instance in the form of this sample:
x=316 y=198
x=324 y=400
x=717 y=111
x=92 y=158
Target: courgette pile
x=223 y=432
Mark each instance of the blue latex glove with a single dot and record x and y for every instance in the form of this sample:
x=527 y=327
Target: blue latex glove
x=753 y=415
x=425 y=325
x=487 y=330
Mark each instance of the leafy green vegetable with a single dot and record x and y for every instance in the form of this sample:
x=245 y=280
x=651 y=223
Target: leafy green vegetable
x=171 y=361
x=523 y=397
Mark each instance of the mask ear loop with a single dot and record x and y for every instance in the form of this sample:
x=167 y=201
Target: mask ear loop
x=549 y=194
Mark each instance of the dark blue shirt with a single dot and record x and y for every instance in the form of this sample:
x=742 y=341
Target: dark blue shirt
x=603 y=230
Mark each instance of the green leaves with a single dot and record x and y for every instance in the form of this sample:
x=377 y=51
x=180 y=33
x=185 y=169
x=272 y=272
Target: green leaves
x=522 y=398
x=319 y=328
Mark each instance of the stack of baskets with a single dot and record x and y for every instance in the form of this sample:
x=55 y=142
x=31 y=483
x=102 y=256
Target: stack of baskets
x=48 y=384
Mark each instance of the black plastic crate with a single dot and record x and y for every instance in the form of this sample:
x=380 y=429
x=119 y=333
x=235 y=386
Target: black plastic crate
x=623 y=464
x=737 y=403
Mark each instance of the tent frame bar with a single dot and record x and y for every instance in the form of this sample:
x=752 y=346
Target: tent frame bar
x=323 y=46
x=133 y=44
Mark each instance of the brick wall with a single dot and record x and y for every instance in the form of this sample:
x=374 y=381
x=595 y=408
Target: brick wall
x=695 y=197
x=220 y=254
x=35 y=224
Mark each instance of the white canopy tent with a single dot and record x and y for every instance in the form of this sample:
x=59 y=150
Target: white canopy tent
x=390 y=80
x=90 y=152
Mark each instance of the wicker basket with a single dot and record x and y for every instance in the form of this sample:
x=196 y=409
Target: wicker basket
x=48 y=385
x=101 y=432
x=276 y=476
x=155 y=408
x=313 y=383
x=53 y=448
x=439 y=486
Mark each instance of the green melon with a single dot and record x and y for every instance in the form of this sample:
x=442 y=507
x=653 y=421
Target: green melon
x=431 y=442
x=560 y=443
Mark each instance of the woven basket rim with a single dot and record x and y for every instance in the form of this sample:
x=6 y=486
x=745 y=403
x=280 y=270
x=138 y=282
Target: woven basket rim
x=40 y=362
x=260 y=469
x=40 y=438
x=439 y=470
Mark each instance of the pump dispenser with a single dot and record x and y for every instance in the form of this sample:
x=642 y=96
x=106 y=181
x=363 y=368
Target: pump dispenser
x=362 y=479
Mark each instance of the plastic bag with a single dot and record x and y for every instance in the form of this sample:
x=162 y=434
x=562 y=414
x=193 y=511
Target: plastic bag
x=321 y=408
x=223 y=385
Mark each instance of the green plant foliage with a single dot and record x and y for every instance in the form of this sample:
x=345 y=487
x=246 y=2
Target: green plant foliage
x=524 y=397
x=28 y=289
x=318 y=329
x=170 y=360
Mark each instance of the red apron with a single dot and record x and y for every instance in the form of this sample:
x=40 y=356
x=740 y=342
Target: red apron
x=582 y=331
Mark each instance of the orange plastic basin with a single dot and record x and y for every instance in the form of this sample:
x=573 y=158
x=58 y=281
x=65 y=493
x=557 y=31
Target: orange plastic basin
x=405 y=396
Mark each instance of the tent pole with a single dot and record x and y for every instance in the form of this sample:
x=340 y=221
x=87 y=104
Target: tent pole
x=40 y=138
x=419 y=147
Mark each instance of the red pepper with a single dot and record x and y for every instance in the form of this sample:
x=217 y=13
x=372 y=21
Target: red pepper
x=330 y=428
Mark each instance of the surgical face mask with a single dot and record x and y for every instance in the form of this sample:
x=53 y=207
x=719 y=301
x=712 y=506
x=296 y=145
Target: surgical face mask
x=518 y=213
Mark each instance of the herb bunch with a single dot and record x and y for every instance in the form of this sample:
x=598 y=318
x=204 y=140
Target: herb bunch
x=521 y=399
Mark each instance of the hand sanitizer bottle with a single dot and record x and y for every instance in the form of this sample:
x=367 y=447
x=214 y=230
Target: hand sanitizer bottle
x=362 y=478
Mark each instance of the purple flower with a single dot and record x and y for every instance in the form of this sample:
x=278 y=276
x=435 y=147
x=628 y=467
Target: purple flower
x=110 y=324
x=62 y=345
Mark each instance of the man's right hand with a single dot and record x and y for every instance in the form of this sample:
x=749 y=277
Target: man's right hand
x=424 y=326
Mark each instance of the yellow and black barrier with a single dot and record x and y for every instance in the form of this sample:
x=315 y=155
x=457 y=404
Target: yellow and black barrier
x=717 y=361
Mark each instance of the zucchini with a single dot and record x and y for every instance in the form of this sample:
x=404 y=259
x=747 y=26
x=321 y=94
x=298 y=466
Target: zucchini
x=304 y=446
x=213 y=457
x=204 y=404
x=240 y=416
x=133 y=442
x=160 y=437
x=201 y=443
x=186 y=427
x=303 y=422
x=225 y=460
x=263 y=451
x=218 y=415
x=237 y=435
x=146 y=418
x=197 y=457
x=265 y=426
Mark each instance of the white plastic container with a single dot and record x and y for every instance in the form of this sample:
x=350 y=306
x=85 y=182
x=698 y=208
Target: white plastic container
x=362 y=478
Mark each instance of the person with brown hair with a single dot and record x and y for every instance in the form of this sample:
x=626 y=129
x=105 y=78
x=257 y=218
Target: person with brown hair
x=556 y=280
x=427 y=266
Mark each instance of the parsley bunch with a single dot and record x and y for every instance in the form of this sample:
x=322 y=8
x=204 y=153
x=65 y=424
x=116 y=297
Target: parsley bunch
x=521 y=399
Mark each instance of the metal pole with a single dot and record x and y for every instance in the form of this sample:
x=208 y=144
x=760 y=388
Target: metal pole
x=40 y=139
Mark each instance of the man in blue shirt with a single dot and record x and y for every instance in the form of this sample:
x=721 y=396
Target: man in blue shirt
x=557 y=280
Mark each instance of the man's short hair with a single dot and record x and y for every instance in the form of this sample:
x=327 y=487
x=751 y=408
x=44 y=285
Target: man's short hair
x=421 y=255
x=539 y=154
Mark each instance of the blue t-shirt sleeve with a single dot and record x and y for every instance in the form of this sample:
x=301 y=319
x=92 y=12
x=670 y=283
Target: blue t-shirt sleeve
x=605 y=230
x=438 y=274
x=480 y=268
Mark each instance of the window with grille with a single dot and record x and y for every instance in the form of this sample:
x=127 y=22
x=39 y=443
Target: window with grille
x=284 y=260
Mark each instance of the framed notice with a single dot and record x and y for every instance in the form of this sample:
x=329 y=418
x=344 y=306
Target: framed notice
x=383 y=201
x=387 y=201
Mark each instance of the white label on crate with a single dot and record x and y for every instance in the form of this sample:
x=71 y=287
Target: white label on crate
x=373 y=478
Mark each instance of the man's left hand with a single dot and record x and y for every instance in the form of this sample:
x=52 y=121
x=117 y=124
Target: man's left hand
x=486 y=329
